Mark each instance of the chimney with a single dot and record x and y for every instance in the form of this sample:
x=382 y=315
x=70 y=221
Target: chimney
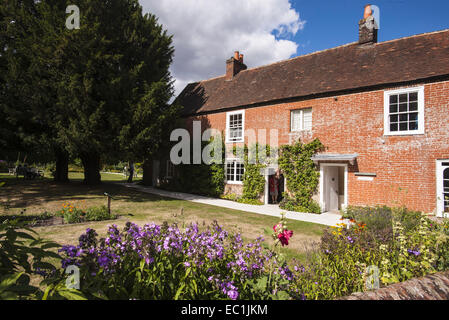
x=234 y=65
x=368 y=27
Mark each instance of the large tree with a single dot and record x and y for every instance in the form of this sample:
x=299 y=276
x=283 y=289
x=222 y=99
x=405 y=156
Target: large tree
x=116 y=83
x=29 y=35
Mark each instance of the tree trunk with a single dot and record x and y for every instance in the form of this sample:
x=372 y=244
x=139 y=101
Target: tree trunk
x=147 y=172
x=91 y=164
x=62 y=167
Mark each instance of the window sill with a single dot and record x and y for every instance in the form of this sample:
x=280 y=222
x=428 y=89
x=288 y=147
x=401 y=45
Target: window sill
x=417 y=133
x=234 y=182
x=300 y=131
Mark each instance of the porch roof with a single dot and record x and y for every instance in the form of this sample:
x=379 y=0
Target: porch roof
x=335 y=157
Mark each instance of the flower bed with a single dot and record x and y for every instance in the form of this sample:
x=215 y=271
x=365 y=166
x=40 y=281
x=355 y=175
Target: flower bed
x=73 y=214
x=164 y=262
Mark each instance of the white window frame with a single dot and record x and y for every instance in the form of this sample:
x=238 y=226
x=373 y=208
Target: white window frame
x=234 y=161
x=421 y=102
x=301 y=119
x=228 y=115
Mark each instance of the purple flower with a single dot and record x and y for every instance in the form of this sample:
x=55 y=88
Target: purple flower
x=233 y=294
x=414 y=252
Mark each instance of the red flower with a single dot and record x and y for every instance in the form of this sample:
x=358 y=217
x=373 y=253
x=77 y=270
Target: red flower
x=285 y=236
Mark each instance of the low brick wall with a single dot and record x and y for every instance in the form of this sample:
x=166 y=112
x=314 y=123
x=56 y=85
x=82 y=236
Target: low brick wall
x=431 y=287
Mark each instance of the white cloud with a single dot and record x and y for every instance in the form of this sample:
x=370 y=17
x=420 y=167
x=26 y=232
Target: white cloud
x=207 y=32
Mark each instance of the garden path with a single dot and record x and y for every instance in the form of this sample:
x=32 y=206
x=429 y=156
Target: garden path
x=328 y=219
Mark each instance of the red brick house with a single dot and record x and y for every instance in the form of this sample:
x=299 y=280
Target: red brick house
x=380 y=109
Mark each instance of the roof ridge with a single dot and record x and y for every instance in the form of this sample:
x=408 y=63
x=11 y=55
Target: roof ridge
x=415 y=36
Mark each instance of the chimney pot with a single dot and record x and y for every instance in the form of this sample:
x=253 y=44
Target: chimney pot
x=368 y=27
x=234 y=65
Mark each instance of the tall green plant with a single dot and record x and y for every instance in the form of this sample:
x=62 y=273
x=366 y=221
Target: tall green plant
x=301 y=174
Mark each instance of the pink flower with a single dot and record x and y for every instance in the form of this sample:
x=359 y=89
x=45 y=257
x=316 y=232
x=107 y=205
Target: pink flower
x=285 y=236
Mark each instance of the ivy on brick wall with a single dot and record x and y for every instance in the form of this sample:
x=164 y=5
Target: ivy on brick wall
x=256 y=158
x=203 y=179
x=301 y=175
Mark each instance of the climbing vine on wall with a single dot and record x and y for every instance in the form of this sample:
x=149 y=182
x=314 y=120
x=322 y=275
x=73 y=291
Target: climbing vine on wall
x=204 y=179
x=256 y=158
x=301 y=175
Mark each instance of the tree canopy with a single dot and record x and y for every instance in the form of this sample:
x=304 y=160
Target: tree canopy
x=98 y=92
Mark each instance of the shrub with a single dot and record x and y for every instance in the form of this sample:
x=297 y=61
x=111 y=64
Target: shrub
x=381 y=217
x=99 y=214
x=163 y=262
x=73 y=214
x=290 y=204
x=234 y=197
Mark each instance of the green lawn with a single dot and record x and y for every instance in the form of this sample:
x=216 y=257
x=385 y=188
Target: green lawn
x=39 y=196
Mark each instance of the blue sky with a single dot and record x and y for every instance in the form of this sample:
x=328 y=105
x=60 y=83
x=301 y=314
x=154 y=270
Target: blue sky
x=333 y=23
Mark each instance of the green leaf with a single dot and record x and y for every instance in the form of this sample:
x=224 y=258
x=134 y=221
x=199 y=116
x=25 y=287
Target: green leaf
x=179 y=291
x=71 y=294
x=9 y=280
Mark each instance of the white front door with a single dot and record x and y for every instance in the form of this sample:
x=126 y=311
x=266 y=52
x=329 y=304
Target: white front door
x=331 y=188
x=443 y=188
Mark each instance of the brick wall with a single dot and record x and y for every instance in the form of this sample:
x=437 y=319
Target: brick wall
x=354 y=123
x=431 y=287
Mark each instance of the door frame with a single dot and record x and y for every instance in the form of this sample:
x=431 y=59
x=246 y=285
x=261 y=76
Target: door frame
x=322 y=166
x=439 y=188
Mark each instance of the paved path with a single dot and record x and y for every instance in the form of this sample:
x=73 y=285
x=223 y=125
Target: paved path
x=328 y=219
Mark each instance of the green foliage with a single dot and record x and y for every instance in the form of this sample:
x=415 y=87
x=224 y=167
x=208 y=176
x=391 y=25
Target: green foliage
x=72 y=214
x=381 y=217
x=234 y=197
x=23 y=255
x=256 y=157
x=253 y=181
x=301 y=175
x=203 y=179
x=411 y=247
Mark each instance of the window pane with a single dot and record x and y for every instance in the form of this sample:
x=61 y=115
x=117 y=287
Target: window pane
x=394 y=127
x=394 y=118
x=295 y=120
x=413 y=96
x=403 y=126
x=446 y=173
x=307 y=116
x=413 y=106
x=413 y=116
x=394 y=99
x=403 y=98
x=403 y=107
x=403 y=117
x=393 y=108
x=413 y=126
